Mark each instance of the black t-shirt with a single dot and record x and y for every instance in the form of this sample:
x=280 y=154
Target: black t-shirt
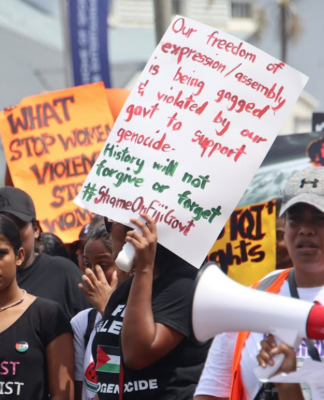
x=54 y=278
x=23 y=372
x=176 y=375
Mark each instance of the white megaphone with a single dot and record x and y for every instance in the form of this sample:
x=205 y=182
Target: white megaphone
x=221 y=305
x=125 y=258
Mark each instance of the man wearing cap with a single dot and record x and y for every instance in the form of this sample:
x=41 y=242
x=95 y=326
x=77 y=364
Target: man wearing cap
x=232 y=358
x=54 y=278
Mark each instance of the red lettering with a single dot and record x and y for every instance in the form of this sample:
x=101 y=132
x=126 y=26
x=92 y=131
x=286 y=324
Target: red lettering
x=141 y=111
x=179 y=27
x=239 y=105
x=166 y=47
x=206 y=143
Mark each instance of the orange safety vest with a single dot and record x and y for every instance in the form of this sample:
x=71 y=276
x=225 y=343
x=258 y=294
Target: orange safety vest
x=237 y=389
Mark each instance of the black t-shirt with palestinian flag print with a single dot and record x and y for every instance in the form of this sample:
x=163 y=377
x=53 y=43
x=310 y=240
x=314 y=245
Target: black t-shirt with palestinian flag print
x=176 y=375
x=23 y=366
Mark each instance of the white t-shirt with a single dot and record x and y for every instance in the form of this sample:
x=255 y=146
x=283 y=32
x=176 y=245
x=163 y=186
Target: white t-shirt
x=84 y=363
x=217 y=374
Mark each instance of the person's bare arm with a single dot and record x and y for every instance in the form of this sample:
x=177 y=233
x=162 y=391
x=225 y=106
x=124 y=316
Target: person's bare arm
x=143 y=340
x=289 y=391
x=60 y=365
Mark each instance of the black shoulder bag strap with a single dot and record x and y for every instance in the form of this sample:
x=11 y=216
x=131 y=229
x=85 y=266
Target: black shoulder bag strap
x=312 y=350
x=91 y=323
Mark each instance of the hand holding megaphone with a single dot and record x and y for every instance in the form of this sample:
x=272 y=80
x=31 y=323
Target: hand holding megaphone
x=270 y=348
x=264 y=373
x=221 y=305
x=125 y=258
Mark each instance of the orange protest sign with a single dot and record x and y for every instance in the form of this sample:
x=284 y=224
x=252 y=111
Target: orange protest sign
x=51 y=141
x=246 y=247
x=116 y=99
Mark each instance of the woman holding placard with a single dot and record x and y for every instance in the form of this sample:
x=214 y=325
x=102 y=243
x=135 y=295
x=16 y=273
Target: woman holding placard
x=142 y=348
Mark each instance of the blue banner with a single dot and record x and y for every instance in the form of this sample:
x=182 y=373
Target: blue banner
x=87 y=20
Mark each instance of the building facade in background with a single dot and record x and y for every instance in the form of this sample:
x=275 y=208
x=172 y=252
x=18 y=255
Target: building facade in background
x=235 y=17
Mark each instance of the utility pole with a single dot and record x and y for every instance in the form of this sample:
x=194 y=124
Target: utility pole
x=67 y=45
x=183 y=7
x=162 y=16
x=283 y=29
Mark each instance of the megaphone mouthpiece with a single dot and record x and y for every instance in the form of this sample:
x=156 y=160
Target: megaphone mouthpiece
x=315 y=323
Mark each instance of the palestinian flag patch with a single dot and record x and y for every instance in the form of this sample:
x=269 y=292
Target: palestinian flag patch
x=108 y=359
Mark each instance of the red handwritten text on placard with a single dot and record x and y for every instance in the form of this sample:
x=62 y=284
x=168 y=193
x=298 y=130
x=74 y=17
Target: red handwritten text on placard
x=156 y=209
x=269 y=93
x=274 y=67
x=141 y=87
x=255 y=138
x=173 y=123
x=146 y=141
x=141 y=111
x=154 y=69
x=182 y=102
x=225 y=123
x=223 y=44
x=239 y=105
x=189 y=81
x=214 y=41
x=180 y=27
x=195 y=55
x=206 y=143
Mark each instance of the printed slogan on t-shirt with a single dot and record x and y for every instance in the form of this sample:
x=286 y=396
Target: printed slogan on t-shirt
x=191 y=135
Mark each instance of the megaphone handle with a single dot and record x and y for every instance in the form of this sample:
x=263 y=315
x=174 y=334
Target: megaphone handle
x=125 y=258
x=269 y=370
x=281 y=335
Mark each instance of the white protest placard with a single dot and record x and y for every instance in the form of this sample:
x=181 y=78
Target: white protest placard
x=191 y=135
x=311 y=372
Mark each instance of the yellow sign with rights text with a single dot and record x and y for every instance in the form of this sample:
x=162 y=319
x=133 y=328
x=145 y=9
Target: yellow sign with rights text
x=246 y=247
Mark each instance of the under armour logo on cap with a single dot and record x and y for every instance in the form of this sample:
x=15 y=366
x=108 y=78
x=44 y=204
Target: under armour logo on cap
x=305 y=186
x=304 y=182
x=4 y=199
x=17 y=202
